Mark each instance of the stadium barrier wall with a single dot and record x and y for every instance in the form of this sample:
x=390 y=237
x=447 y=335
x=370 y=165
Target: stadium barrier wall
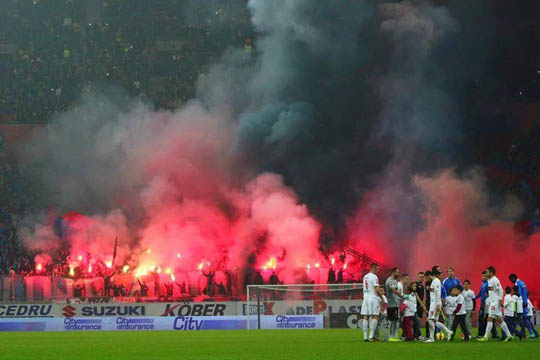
x=181 y=323
x=337 y=313
x=304 y=307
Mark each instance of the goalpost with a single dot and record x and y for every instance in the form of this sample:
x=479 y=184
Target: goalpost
x=336 y=302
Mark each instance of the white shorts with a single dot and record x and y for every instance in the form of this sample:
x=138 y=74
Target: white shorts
x=494 y=309
x=370 y=307
x=433 y=313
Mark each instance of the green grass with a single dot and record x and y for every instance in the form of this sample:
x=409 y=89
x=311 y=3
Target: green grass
x=330 y=344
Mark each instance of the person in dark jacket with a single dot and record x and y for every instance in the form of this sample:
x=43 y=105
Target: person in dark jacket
x=274 y=280
x=421 y=292
x=331 y=276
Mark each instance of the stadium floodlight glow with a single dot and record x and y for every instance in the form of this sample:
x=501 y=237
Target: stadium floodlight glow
x=278 y=300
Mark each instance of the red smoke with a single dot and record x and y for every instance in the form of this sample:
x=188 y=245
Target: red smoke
x=464 y=231
x=182 y=205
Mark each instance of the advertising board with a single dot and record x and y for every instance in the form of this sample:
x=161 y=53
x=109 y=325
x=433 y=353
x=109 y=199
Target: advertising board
x=180 y=323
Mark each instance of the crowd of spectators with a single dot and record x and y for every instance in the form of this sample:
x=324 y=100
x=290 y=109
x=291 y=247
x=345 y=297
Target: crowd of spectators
x=50 y=51
x=157 y=50
x=525 y=156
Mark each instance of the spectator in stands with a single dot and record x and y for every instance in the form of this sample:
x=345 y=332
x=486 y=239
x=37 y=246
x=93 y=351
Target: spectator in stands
x=247 y=279
x=331 y=276
x=144 y=288
x=339 y=279
x=169 y=286
x=209 y=289
x=181 y=287
x=274 y=280
x=258 y=279
x=79 y=291
x=228 y=282
x=221 y=289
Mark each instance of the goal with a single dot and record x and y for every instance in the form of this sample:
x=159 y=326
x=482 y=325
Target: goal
x=303 y=306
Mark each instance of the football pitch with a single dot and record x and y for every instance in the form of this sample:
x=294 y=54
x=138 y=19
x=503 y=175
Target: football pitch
x=253 y=345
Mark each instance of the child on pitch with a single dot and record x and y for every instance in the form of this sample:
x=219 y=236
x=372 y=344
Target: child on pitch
x=459 y=314
x=450 y=306
x=533 y=333
x=519 y=312
x=509 y=310
x=411 y=302
x=409 y=311
x=435 y=307
x=469 y=296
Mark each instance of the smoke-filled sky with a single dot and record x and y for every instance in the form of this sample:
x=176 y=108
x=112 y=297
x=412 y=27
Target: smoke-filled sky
x=348 y=125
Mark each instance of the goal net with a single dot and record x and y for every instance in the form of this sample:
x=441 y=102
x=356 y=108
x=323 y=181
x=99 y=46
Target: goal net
x=303 y=306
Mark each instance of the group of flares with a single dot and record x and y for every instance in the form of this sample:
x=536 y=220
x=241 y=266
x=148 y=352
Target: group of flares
x=149 y=266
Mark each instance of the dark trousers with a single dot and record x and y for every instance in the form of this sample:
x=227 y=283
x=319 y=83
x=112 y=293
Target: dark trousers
x=408 y=327
x=427 y=329
x=521 y=323
x=511 y=323
x=482 y=322
x=530 y=326
x=416 y=327
x=460 y=320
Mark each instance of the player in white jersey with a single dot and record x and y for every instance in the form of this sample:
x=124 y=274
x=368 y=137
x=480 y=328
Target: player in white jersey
x=371 y=306
x=435 y=307
x=494 y=304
